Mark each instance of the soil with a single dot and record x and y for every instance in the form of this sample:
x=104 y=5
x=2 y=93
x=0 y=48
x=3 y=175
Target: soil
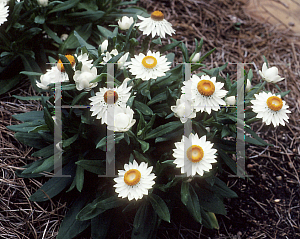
x=268 y=202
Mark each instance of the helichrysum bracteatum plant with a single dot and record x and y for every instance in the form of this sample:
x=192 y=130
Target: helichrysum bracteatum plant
x=33 y=30
x=159 y=170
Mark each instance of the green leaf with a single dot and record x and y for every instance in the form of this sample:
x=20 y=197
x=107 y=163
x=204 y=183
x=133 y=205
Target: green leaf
x=141 y=157
x=44 y=152
x=266 y=61
x=159 y=97
x=283 y=94
x=228 y=161
x=225 y=132
x=78 y=97
x=199 y=47
x=144 y=145
x=250 y=75
x=256 y=139
x=55 y=185
x=184 y=52
x=48 y=119
x=52 y=34
x=210 y=201
x=15 y=15
x=69 y=141
x=105 y=32
x=70 y=227
x=209 y=220
x=6 y=85
x=29 y=168
x=190 y=199
x=34 y=140
x=99 y=206
x=222 y=189
x=141 y=124
x=27 y=97
x=145 y=222
x=99 y=77
x=94 y=166
x=83 y=43
x=84 y=17
x=117 y=137
x=157 y=41
x=29 y=73
x=39 y=19
x=29 y=116
x=47 y=165
x=31 y=65
x=160 y=207
x=169 y=46
x=68 y=87
x=26 y=127
x=100 y=225
x=163 y=129
x=79 y=178
x=206 y=55
x=170 y=57
x=142 y=108
x=64 y=6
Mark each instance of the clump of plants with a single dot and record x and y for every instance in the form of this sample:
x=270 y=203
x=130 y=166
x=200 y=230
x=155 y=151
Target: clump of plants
x=31 y=31
x=141 y=135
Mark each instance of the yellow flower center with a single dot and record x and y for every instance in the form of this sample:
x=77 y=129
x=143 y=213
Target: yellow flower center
x=109 y=96
x=157 y=16
x=132 y=177
x=206 y=87
x=274 y=103
x=60 y=65
x=195 y=153
x=149 y=62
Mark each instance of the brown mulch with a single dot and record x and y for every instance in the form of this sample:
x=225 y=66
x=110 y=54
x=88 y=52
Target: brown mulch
x=268 y=203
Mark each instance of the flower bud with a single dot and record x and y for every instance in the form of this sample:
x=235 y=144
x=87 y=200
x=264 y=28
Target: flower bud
x=104 y=46
x=196 y=58
x=230 y=100
x=64 y=37
x=125 y=22
x=43 y=3
x=270 y=74
x=248 y=86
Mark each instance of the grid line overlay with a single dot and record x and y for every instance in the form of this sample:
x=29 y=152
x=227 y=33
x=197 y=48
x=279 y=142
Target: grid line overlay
x=110 y=149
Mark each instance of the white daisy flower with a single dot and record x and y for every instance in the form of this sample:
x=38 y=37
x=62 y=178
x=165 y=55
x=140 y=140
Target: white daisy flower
x=125 y=22
x=82 y=78
x=123 y=119
x=184 y=109
x=149 y=67
x=156 y=24
x=135 y=181
x=84 y=59
x=3 y=12
x=270 y=108
x=194 y=155
x=206 y=93
x=52 y=75
x=270 y=74
x=103 y=99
